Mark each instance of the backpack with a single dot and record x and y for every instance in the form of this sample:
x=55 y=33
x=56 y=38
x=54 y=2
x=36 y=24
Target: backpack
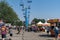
x=3 y=28
x=56 y=30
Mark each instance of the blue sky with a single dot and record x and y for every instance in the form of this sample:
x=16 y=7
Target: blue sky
x=45 y=9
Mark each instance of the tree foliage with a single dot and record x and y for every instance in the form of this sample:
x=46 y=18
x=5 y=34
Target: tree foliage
x=35 y=20
x=7 y=13
x=19 y=23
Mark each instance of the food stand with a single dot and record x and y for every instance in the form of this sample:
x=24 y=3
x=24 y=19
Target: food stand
x=40 y=24
x=54 y=22
x=46 y=24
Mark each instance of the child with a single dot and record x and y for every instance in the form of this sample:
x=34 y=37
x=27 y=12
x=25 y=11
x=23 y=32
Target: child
x=10 y=32
x=3 y=31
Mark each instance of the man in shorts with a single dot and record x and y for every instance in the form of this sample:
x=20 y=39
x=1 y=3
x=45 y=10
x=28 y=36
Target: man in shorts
x=56 y=32
x=11 y=33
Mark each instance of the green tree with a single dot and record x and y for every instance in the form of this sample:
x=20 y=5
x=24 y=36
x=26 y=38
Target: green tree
x=42 y=20
x=7 y=13
x=19 y=23
x=35 y=20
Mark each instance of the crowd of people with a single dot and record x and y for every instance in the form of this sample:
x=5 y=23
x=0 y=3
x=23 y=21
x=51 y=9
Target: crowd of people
x=53 y=30
x=4 y=30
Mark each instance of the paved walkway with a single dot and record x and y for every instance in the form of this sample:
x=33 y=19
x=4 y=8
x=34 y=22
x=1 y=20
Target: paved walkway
x=36 y=36
x=29 y=36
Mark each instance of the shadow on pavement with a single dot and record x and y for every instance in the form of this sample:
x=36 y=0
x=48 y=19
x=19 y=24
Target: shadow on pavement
x=5 y=39
x=45 y=35
x=0 y=39
x=50 y=39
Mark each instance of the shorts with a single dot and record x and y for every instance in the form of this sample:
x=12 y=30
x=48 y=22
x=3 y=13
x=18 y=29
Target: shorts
x=47 y=31
x=11 y=35
x=3 y=35
x=56 y=35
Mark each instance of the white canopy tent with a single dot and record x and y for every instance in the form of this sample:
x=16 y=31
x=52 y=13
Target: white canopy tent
x=46 y=24
x=39 y=23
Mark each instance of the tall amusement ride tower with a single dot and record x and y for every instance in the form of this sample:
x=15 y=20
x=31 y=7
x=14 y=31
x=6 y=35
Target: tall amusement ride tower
x=26 y=6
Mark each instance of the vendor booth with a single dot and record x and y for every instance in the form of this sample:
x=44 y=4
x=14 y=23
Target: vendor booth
x=40 y=24
x=54 y=22
x=46 y=24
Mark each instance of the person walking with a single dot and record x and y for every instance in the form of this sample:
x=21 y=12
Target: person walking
x=3 y=31
x=11 y=33
x=18 y=29
x=56 y=32
x=1 y=22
